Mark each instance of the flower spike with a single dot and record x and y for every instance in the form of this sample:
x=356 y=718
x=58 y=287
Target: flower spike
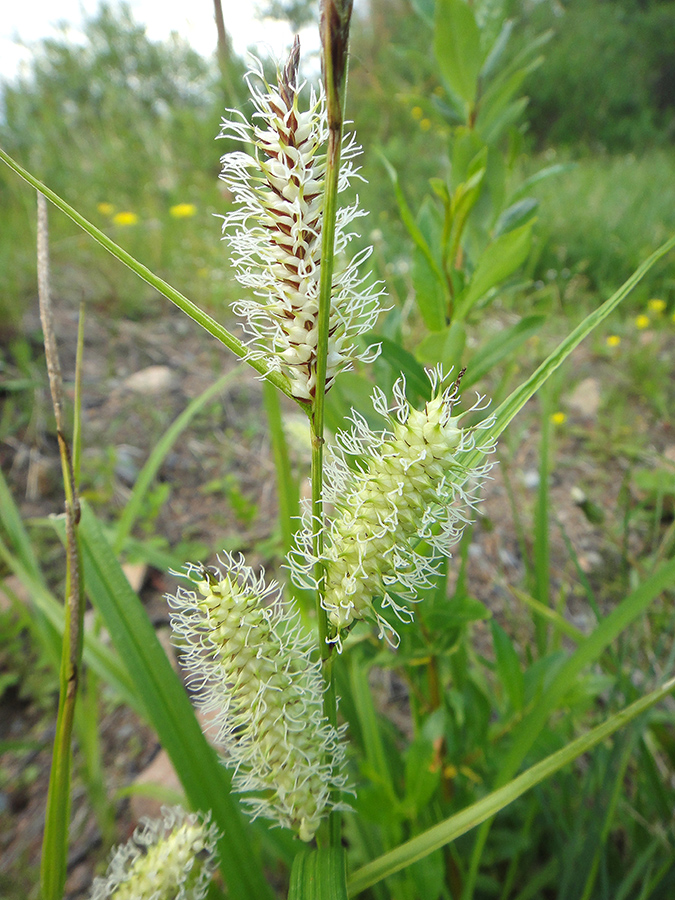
x=275 y=232
x=251 y=665
x=172 y=858
x=398 y=512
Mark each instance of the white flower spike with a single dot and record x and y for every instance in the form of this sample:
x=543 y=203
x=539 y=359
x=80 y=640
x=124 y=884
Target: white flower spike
x=398 y=512
x=251 y=665
x=275 y=233
x=172 y=858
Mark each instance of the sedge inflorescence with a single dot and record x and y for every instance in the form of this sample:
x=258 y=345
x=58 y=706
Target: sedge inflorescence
x=251 y=666
x=172 y=858
x=401 y=500
x=275 y=233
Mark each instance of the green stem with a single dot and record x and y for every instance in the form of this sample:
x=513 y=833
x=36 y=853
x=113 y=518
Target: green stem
x=335 y=17
x=55 y=839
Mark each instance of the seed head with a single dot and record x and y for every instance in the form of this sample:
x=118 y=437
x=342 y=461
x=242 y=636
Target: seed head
x=275 y=232
x=172 y=858
x=252 y=666
x=397 y=512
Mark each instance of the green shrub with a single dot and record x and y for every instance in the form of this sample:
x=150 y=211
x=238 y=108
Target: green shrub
x=609 y=74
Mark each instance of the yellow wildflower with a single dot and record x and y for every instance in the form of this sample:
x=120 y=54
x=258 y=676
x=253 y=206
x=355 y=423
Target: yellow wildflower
x=125 y=218
x=613 y=340
x=656 y=306
x=425 y=124
x=416 y=112
x=106 y=209
x=558 y=418
x=642 y=321
x=183 y=210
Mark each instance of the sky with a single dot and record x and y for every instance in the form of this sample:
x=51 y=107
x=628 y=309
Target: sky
x=31 y=20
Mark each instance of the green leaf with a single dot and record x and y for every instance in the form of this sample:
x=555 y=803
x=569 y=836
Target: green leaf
x=168 y=708
x=497 y=50
x=508 y=666
x=500 y=259
x=410 y=223
x=403 y=362
x=541 y=175
x=318 y=875
x=421 y=777
x=429 y=292
x=497 y=98
x=517 y=214
x=457 y=48
x=434 y=838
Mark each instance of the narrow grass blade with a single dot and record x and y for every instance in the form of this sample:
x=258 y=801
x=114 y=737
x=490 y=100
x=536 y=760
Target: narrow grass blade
x=187 y=306
x=206 y=782
x=375 y=754
x=525 y=734
x=559 y=622
x=318 y=875
x=518 y=398
x=542 y=569
x=156 y=458
x=100 y=658
x=422 y=845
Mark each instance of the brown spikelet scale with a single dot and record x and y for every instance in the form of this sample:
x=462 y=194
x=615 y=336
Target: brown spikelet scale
x=275 y=233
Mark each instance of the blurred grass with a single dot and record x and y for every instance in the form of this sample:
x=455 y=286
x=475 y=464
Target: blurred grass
x=603 y=216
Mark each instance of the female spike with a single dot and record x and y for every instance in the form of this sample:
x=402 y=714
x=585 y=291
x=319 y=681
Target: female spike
x=397 y=512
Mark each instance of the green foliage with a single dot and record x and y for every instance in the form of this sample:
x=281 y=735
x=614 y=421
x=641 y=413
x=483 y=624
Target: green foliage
x=122 y=121
x=599 y=218
x=609 y=73
x=441 y=726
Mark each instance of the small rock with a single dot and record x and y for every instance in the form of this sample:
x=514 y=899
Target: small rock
x=585 y=398
x=530 y=479
x=589 y=561
x=135 y=573
x=152 y=380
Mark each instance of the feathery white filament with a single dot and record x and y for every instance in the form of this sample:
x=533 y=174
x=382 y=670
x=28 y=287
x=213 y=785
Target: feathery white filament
x=398 y=512
x=275 y=234
x=172 y=858
x=251 y=665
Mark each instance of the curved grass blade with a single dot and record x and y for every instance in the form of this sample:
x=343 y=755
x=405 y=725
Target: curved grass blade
x=422 y=845
x=518 y=398
x=187 y=306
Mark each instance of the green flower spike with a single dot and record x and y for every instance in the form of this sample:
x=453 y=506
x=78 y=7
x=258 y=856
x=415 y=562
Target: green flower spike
x=172 y=858
x=399 y=507
x=251 y=666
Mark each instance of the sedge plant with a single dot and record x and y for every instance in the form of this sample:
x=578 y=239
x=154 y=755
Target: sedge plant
x=389 y=502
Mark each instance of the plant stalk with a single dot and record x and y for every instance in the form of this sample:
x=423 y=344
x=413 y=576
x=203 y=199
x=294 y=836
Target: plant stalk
x=55 y=841
x=335 y=19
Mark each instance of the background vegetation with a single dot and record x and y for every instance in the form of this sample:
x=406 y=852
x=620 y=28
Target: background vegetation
x=123 y=128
